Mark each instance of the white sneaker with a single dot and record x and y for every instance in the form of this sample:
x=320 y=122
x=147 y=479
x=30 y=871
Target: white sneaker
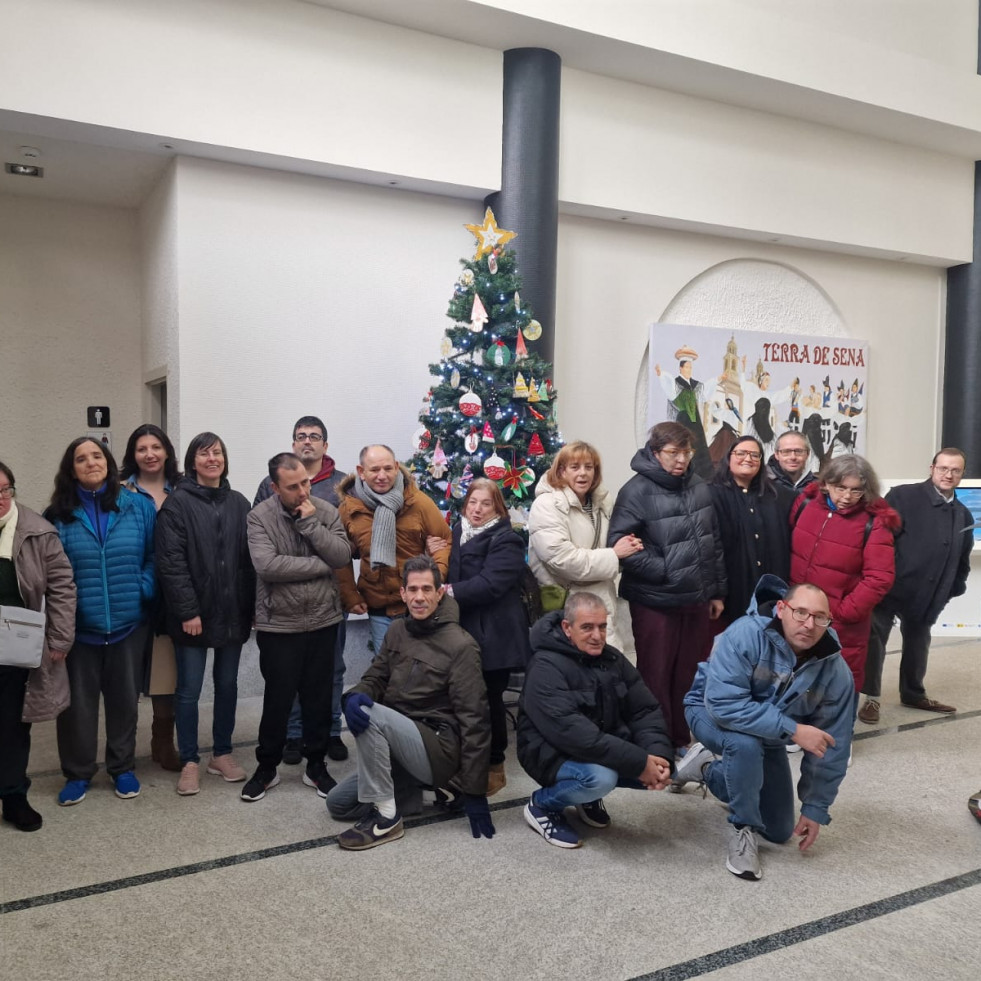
x=689 y=769
x=744 y=854
x=793 y=748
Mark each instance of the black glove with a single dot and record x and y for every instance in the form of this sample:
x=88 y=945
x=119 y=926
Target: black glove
x=354 y=711
x=479 y=813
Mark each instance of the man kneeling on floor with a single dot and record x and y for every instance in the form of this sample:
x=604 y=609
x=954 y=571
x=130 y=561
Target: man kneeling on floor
x=422 y=706
x=587 y=722
x=776 y=676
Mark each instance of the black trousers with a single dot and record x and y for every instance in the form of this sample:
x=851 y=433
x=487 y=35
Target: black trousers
x=912 y=667
x=497 y=683
x=291 y=665
x=15 y=736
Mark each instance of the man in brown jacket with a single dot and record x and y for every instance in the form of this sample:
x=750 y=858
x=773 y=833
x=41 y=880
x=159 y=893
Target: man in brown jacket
x=421 y=707
x=388 y=520
x=296 y=542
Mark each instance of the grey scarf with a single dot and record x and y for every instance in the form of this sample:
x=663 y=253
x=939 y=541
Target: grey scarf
x=386 y=507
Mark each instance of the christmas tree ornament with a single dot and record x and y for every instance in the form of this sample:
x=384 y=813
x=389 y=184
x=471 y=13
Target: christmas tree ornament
x=509 y=429
x=535 y=447
x=427 y=402
x=517 y=302
x=518 y=480
x=421 y=439
x=520 y=387
x=449 y=490
x=494 y=467
x=520 y=348
x=492 y=262
x=533 y=395
x=478 y=315
x=465 y=278
x=488 y=435
x=466 y=478
x=499 y=354
x=445 y=347
x=455 y=378
x=533 y=330
x=543 y=392
x=471 y=441
x=457 y=488
x=537 y=415
x=470 y=403
x=438 y=467
x=478 y=355
x=488 y=235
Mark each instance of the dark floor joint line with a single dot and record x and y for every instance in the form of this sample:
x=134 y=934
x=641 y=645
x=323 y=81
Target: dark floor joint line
x=810 y=931
x=212 y=865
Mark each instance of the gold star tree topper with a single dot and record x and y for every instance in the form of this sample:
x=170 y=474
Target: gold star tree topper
x=488 y=235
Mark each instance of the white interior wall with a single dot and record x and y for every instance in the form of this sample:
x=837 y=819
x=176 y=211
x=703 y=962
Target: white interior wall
x=305 y=295
x=70 y=323
x=615 y=280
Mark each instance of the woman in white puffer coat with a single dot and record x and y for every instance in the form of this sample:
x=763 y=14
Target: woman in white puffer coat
x=567 y=530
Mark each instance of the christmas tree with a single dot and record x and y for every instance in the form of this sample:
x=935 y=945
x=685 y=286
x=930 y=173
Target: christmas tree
x=491 y=410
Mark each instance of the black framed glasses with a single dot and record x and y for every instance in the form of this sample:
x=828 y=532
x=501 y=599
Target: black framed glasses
x=802 y=616
x=308 y=438
x=8 y=492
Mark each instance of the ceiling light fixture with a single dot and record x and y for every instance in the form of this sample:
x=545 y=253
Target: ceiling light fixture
x=23 y=170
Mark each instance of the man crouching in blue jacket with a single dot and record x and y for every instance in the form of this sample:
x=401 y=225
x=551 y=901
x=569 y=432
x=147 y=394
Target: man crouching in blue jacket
x=776 y=676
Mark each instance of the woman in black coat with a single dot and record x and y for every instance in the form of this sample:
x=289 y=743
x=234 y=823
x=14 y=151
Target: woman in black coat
x=486 y=565
x=753 y=513
x=208 y=582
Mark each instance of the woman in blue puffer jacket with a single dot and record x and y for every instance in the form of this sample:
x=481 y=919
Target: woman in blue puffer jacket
x=107 y=535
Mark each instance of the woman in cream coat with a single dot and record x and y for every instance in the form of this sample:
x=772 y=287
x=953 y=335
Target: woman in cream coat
x=568 y=526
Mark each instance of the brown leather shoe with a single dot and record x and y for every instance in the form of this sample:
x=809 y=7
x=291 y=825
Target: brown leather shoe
x=496 y=779
x=162 y=748
x=869 y=712
x=930 y=705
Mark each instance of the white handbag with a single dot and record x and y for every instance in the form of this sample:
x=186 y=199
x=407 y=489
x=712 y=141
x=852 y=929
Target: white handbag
x=21 y=637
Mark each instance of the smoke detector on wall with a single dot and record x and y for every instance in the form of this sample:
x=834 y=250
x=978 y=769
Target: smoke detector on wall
x=27 y=167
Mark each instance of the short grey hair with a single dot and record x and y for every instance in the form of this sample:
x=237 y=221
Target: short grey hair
x=581 y=601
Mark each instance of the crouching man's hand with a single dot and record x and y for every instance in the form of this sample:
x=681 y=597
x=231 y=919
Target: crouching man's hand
x=657 y=774
x=812 y=740
x=479 y=814
x=354 y=711
x=807 y=830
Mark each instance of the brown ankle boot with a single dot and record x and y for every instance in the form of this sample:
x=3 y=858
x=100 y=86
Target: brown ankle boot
x=162 y=749
x=496 y=779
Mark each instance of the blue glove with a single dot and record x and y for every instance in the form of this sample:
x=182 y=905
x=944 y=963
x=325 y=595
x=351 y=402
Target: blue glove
x=479 y=813
x=354 y=711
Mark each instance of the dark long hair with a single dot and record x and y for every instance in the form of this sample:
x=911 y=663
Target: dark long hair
x=203 y=441
x=760 y=484
x=65 y=498
x=131 y=467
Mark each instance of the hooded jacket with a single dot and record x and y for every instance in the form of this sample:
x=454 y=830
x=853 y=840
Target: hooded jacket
x=586 y=708
x=44 y=576
x=682 y=562
x=203 y=564
x=560 y=546
x=294 y=560
x=752 y=684
x=429 y=670
x=853 y=563
x=418 y=518
x=933 y=552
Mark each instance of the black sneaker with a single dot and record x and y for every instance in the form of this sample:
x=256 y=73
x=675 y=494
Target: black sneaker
x=317 y=776
x=20 y=814
x=293 y=752
x=371 y=831
x=262 y=780
x=336 y=749
x=594 y=814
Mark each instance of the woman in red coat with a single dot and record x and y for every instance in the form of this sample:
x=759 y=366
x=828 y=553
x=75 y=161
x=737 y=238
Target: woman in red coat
x=842 y=540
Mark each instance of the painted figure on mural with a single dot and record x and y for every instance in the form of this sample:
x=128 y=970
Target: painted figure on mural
x=686 y=396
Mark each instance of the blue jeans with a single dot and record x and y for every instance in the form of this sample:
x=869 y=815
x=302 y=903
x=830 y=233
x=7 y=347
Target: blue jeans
x=191 y=662
x=377 y=628
x=753 y=777
x=294 y=728
x=580 y=783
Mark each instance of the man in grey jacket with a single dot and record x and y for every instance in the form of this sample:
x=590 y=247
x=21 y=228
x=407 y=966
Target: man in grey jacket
x=296 y=541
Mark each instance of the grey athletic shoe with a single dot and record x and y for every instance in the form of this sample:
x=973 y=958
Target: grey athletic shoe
x=744 y=853
x=689 y=770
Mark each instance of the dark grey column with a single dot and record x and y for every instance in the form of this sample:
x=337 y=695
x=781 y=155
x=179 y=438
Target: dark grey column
x=529 y=197
x=962 y=368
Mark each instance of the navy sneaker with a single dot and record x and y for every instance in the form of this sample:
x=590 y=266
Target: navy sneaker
x=594 y=814
x=551 y=825
x=126 y=784
x=73 y=792
x=371 y=831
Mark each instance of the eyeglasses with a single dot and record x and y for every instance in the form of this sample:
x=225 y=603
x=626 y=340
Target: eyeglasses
x=842 y=489
x=953 y=471
x=677 y=454
x=802 y=616
x=792 y=452
x=747 y=455
x=308 y=438
x=7 y=492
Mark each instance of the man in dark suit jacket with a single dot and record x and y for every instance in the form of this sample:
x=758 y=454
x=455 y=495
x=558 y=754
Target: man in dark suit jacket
x=933 y=559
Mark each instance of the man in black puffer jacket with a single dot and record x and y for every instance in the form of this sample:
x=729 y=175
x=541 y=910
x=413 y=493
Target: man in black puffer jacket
x=587 y=722
x=676 y=585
